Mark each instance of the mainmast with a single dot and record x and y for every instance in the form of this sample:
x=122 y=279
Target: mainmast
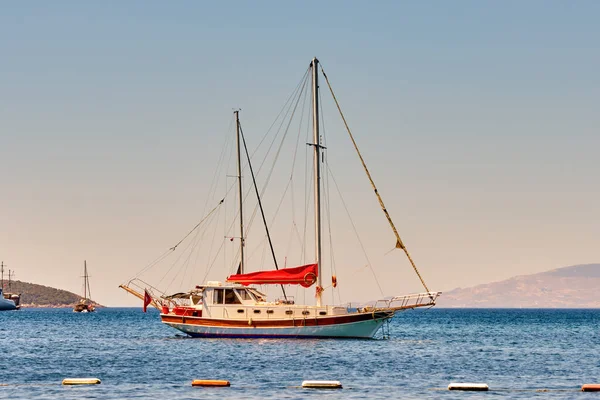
x=317 y=167
x=85 y=279
x=2 y=275
x=239 y=172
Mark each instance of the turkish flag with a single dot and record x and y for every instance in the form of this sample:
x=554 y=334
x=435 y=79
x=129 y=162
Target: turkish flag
x=147 y=299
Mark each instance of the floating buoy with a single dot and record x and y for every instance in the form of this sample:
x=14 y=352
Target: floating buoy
x=322 y=384
x=81 y=381
x=469 y=386
x=590 y=387
x=210 y=382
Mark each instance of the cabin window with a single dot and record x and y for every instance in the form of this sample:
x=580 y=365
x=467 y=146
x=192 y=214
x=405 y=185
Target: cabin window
x=289 y=312
x=269 y=311
x=218 y=296
x=259 y=296
x=244 y=295
x=322 y=312
x=305 y=312
x=256 y=311
x=240 y=311
x=230 y=297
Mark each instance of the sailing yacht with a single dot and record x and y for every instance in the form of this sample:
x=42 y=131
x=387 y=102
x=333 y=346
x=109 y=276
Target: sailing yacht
x=236 y=308
x=85 y=304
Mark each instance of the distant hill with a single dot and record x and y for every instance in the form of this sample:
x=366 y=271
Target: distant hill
x=569 y=287
x=33 y=295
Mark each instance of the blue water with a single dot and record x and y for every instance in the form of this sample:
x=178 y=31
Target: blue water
x=135 y=356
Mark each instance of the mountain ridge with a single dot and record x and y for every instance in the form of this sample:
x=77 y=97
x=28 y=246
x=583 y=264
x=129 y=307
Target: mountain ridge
x=35 y=295
x=575 y=286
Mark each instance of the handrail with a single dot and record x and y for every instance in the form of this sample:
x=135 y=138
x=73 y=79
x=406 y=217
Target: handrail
x=409 y=301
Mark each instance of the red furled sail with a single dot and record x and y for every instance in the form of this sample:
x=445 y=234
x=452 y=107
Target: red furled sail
x=305 y=275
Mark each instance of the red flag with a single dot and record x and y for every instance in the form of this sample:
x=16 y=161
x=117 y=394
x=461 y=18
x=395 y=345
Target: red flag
x=147 y=299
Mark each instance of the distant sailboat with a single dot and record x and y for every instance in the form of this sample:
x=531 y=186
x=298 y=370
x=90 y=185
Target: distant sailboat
x=85 y=304
x=8 y=301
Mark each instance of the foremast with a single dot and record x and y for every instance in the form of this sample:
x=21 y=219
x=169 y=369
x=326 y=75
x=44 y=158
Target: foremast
x=239 y=176
x=86 y=282
x=2 y=276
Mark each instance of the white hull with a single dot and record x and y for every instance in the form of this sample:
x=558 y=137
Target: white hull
x=5 y=304
x=361 y=329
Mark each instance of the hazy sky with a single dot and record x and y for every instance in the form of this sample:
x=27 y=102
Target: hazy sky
x=479 y=121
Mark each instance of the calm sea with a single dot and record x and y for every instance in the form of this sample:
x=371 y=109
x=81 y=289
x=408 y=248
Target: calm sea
x=135 y=356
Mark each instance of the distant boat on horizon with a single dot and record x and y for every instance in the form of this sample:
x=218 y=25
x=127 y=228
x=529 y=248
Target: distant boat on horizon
x=85 y=305
x=8 y=301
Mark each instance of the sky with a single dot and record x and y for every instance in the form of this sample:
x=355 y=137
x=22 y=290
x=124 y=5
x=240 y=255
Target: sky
x=478 y=121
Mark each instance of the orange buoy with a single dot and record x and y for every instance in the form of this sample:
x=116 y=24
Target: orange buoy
x=590 y=387
x=210 y=383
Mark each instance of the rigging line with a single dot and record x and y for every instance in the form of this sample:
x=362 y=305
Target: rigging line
x=170 y=250
x=277 y=154
x=152 y=264
x=198 y=224
x=214 y=260
x=188 y=244
x=262 y=212
x=399 y=243
x=304 y=78
x=259 y=246
x=300 y=119
x=290 y=184
x=226 y=228
x=212 y=241
x=295 y=95
x=327 y=196
x=186 y=262
x=221 y=247
x=220 y=163
x=354 y=228
x=197 y=245
x=307 y=186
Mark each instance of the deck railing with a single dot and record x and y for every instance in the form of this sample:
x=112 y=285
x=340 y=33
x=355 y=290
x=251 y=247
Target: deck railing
x=397 y=303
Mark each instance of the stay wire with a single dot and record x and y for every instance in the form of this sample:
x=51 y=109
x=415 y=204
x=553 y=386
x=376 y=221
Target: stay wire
x=262 y=212
x=354 y=228
x=287 y=107
x=276 y=157
x=399 y=243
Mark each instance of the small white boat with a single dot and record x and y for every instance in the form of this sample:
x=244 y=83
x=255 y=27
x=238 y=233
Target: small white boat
x=8 y=301
x=6 y=304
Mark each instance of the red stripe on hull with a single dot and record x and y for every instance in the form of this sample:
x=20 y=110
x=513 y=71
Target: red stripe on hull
x=276 y=323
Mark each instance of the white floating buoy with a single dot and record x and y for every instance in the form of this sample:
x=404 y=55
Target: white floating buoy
x=469 y=386
x=81 y=381
x=322 y=384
